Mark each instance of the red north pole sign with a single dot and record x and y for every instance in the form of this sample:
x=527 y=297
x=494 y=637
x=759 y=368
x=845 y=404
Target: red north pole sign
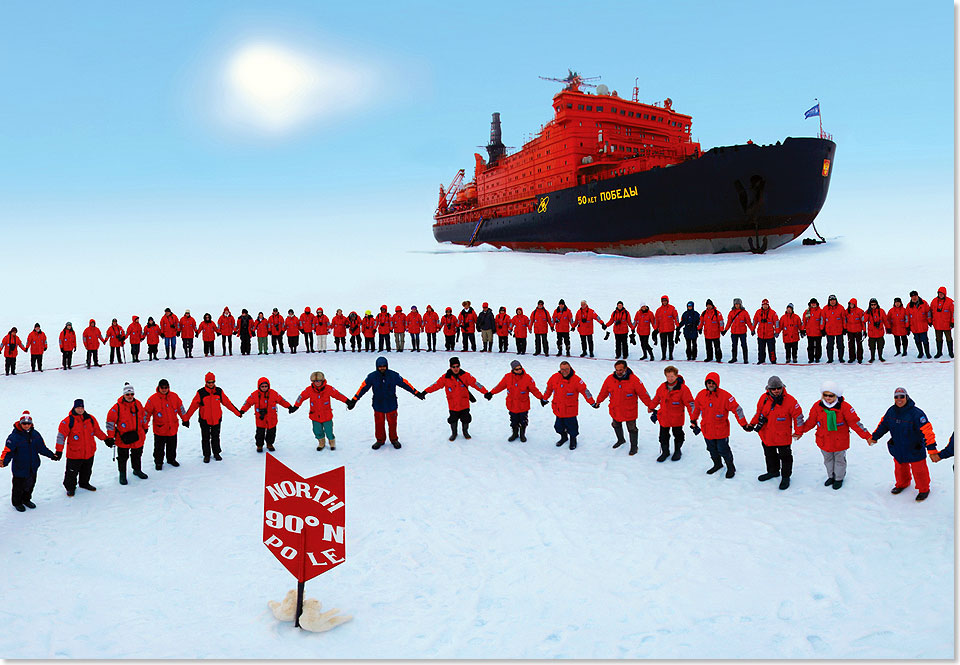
x=303 y=519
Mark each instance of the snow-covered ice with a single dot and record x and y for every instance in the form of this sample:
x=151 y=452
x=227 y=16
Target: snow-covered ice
x=483 y=548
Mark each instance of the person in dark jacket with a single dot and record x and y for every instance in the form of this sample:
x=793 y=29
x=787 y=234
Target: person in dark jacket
x=945 y=453
x=384 y=382
x=486 y=323
x=911 y=440
x=245 y=331
x=22 y=451
x=689 y=321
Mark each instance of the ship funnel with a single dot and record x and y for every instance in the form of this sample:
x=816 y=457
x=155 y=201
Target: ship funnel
x=495 y=149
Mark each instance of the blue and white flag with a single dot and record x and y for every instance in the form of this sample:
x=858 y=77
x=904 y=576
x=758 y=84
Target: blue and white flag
x=812 y=112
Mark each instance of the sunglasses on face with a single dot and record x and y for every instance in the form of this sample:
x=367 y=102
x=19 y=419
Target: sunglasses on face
x=829 y=395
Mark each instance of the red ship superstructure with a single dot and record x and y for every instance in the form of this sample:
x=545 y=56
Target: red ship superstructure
x=591 y=137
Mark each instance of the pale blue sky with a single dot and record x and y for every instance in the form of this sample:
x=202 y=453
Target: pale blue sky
x=111 y=111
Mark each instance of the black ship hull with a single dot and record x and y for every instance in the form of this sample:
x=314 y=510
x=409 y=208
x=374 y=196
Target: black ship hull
x=743 y=198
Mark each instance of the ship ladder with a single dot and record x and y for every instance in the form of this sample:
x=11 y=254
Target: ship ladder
x=476 y=230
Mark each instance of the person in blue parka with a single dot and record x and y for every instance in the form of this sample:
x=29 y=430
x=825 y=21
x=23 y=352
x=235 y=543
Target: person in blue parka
x=911 y=440
x=689 y=321
x=384 y=383
x=22 y=452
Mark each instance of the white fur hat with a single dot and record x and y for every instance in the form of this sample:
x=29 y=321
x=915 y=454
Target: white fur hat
x=831 y=387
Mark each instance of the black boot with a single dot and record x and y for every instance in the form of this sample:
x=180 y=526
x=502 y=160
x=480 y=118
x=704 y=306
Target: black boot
x=514 y=433
x=453 y=432
x=634 y=435
x=523 y=433
x=676 y=453
x=618 y=428
x=664 y=452
x=573 y=442
x=768 y=475
x=731 y=469
x=563 y=440
x=123 y=477
x=717 y=465
x=785 y=482
x=139 y=474
x=466 y=434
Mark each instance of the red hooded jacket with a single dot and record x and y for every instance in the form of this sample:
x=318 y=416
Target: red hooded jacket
x=671 y=402
x=320 y=410
x=127 y=417
x=92 y=338
x=68 y=340
x=711 y=323
x=781 y=419
x=455 y=388
x=624 y=394
x=79 y=434
x=583 y=320
x=713 y=409
x=519 y=388
x=566 y=394
x=264 y=401
x=166 y=411
x=135 y=331
x=845 y=419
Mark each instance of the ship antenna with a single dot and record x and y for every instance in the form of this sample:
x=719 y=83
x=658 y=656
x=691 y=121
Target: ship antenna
x=636 y=89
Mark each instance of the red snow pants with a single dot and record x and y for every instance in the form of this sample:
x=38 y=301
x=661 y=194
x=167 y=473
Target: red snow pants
x=920 y=474
x=391 y=418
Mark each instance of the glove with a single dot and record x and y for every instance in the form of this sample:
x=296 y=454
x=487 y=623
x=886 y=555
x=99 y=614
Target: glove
x=596 y=405
x=654 y=338
x=653 y=417
x=262 y=413
x=351 y=403
x=488 y=396
x=695 y=429
x=109 y=441
x=753 y=333
x=748 y=428
x=543 y=402
x=606 y=336
x=57 y=456
x=633 y=339
x=604 y=325
x=186 y=423
x=803 y=334
x=761 y=421
x=292 y=409
x=241 y=413
x=421 y=395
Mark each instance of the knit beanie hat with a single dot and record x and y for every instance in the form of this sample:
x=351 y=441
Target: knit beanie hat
x=900 y=391
x=774 y=382
x=737 y=301
x=515 y=364
x=317 y=376
x=454 y=361
x=77 y=402
x=127 y=389
x=209 y=376
x=25 y=417
x=163 y=383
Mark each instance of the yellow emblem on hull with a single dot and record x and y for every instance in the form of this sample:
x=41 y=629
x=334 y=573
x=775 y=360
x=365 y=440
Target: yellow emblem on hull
x=543 y=204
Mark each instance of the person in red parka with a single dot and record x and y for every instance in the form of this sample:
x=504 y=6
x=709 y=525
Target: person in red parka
x=265 y=400
x=738 y=320
x=834 y=325
x=856 y=331
x=78 y=433
x=319 y=393
x=468 y=326
x=276 y=325
x=502 y=326
x=897 y=318
x=68 y=344
x=813 y=323
x=116 y=336
x=622 y=326
x=520 y=323
x=918 y=320
x=562 y=322
x=834 y=418
x=166 y=409
x=151 y=333
x=414 y=325
x=455 y=384
x=127 y=426
x=667 y=409
x=92 y=339
x=876 y=322
x=624 y=388
x=713 y=406
x=11 y=344
x=644 y=323
x=308 y=321
x=778 y=415
x=767 y=327
x=368 y=326
x=291 y=326
x=941 y=314
x=540 y=320
x=188 y=332
x=791 y=326
x=519 y=386
x=711 y=325
x=321 y=326
x=666 y=321
x=566 y=387
x=583 y=321
x=355 y=328
x=170 y=329
x=227 y=327
x=37 y=343
x=383 y=329
x=339 y=323
x=208 y=403
x=208 y=334
x=398 y=324
x=261 y=326
x=451 y=329
x=135 y=335
x=431 y=326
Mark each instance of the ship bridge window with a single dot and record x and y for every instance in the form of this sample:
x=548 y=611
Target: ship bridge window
x=613 y=109
x=630 y=114
x=589 y=108
x=569 y=105
x=579 y=107
x=599 y=109
x=622 y=112
x=646 y=116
